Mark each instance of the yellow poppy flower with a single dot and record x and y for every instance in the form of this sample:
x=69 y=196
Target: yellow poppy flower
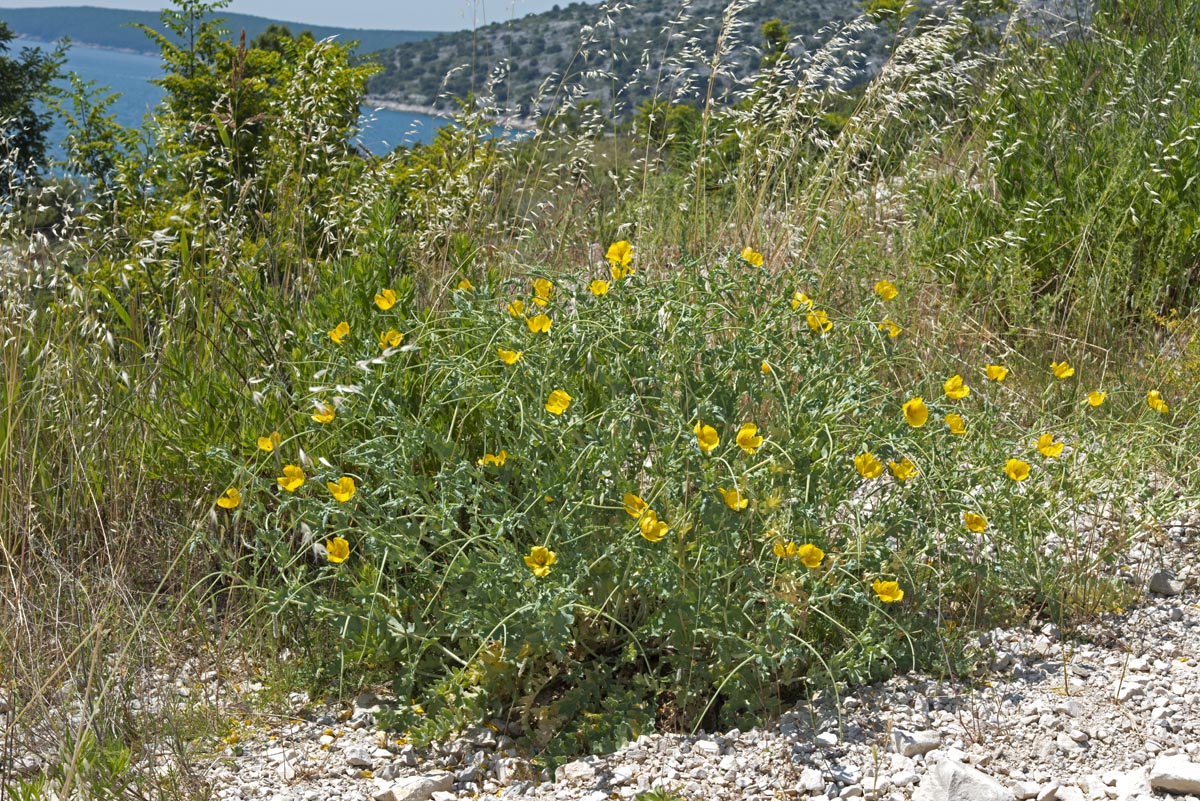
x=887 y=591
x=748 y=439
x=337 y=550
x=652 y=528
x=465 y=285
x=903 y=469
x=885 y=289
x=915 y=412
x=1048 y=447
x=1096 y=398
x=618 y=272
x=995 y=372
x=785 y=550
x=323 y=413
x=599 y=287
x=765 y=367
x=956 y=388
x=706 y=437
x=539 y=560
x=800 y=299
x=493 y=459
x=390 y=338
x=509 y=356
x=1062 y=369
x=752 y=257
x=292 y=478
x=558 y=402
x=891 y=328
x=812 y=556
x=867 y=465
x=956 y=424
x=1016 y=469
x=231 y=499
x=269 y=442
x=734 y=499
x=342 y=490
x=516 y=308
x=542 y=289
x=620 y=254
x=539 y=324
x=385 y=300
x=1155 y=401
x=634 y=505
x=818 y=321
x=974 y=522
x=340 y=332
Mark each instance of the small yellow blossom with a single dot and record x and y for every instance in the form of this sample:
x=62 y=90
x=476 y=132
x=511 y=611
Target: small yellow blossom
x=292 y=478
x=885 y=289
x=752 y=257
x=915 y=412
x=493 y=459
x=903 y=469
x=390 y=338
x=558 y=402
x=269 y=442
x=634 y=505
x=785 y=550
x=539 y=560
x=542 y=289
x=867 y=465
x=956 y=388
x=509 y=356
x=974 y=522
x=733 y=499
x=1048 y=447
x=800 y=299
x=599 y=287
x=385 y=300
x=337 y=550
x=230 y=499
x=340 y=332
x=620 y=254
x=956 y=424
x=539 y=324
x=465 y=285
x=1062 y=369
x=891 y=328
x=516 y=308
x=323 y=413
x=342 y=490
x=1155 y=401
x=652 y=528
x=818 y=321
x=706 y=437
x=1096 y=398
x=812 y=556
x=995 y=372
x=748 y=439
x=1016 y=469
x=887 y=591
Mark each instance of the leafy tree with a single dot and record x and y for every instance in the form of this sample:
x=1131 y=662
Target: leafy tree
x=25 y=81
x=776 y=36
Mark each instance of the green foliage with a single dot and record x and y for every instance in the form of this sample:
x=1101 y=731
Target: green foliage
x=25 y=82
x=777 y=35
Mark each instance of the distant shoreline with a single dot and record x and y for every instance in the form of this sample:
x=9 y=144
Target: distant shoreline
x=519 y=123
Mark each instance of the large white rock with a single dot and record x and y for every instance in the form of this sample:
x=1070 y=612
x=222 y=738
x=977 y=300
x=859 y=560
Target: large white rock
x=1175 y=774
x=953 y=781
x=911 y=743
x=580 y=771
x=417 y=788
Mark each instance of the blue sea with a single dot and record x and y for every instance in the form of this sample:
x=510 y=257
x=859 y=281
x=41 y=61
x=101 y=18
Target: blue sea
x=130 y=75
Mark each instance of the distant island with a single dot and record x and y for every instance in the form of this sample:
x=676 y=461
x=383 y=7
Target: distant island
x=110 y=28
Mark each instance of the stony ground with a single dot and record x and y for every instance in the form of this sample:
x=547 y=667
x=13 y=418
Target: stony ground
x=1112 y=713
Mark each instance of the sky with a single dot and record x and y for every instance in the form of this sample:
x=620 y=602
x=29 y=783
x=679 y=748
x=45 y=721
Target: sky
x=420 y=15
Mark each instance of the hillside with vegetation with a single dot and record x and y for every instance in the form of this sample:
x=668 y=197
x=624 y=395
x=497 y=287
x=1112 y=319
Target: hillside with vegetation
x=116 y=28
x=624 y=54
x=658 y=423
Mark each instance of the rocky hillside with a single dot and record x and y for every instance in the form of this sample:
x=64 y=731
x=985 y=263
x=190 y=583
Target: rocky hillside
x=627 y=52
